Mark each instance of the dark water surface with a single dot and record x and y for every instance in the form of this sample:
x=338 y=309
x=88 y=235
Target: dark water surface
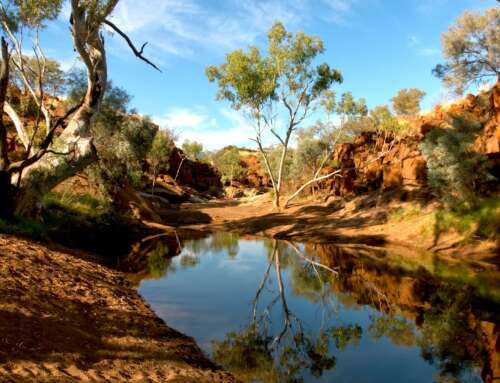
x=273 y=311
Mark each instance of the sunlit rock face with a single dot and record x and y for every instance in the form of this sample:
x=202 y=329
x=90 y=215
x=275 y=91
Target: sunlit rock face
x=380 y=162
x=198 y=175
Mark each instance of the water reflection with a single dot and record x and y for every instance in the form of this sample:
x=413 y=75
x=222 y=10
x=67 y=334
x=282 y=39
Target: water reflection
x=284 y=312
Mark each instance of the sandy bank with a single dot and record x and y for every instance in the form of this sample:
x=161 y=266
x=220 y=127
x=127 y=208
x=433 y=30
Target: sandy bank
x=65 y=318
x=366 y=220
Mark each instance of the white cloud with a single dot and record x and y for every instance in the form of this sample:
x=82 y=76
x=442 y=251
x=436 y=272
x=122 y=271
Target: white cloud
x=182 y=118
x=183 y=27
x=427 y=51
x=195 y=124
x=413 y=40
x=179 y=27
x=338 y=10
x=416 y=44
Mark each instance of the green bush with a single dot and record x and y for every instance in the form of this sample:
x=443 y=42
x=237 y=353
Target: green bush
x=23 y=226
x=84 y=204
x=481 y=220
x=454 y=169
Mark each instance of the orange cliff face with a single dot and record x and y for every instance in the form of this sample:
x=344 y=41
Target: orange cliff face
x=377 y=162
x=198 y=175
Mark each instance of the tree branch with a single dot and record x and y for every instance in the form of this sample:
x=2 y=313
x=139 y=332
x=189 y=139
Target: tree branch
x=137 y=52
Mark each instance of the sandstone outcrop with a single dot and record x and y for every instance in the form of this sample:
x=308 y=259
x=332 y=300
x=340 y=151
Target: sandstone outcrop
x=198 y=175
x=379 y=162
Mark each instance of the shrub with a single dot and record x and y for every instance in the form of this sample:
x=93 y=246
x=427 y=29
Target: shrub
x=23 y=226
x=454 y=169
x=482 y=220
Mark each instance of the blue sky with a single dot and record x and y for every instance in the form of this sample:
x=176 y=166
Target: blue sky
x=380 y=46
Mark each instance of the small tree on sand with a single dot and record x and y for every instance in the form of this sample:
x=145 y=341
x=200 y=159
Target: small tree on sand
x=160 y=151
x=228 y=162
x=280 y=86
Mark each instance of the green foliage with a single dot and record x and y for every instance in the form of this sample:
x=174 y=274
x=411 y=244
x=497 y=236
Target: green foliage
x=353 y=117
x=447 y=321
x=348 y=107
x=161 y=149
x=454 y=169
x=158 y=261
x=53 y=78
x=398 y=330
x=28 y=108
x=328 y=101
x=122 y=140
x=123 y=143
x=345 y=335
x=384 y=121
x=192 y=149
x=187 y=261
x=471 y=49
x=248 y=355
x=308 y=156
x=228 y=162
x=24 y=226
x=289 y=66
x=284 y=82
x=274 y=157
x=401 y=214
x=85 y=204
x=407 y=102
x=30 y=13
x=482 y=220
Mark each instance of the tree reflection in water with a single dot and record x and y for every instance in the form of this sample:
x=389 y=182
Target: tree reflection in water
x=453 y=324
x=279 y=352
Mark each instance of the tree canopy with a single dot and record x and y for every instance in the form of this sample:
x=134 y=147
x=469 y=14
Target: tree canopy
x=192 y=149
x=471 y=48
x=282 y=84
x=407 y=101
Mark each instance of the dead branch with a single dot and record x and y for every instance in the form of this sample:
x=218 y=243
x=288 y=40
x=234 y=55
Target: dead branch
x=137 y=52
x=301 y=255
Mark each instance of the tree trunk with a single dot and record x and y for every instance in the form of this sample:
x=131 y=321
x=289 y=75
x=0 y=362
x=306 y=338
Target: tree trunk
x=276 y=202
x=75 y=149
x=6 y=192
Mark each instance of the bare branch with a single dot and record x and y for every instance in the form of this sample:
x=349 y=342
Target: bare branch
x=21 y=132
x=301 y=255
x=137 y=52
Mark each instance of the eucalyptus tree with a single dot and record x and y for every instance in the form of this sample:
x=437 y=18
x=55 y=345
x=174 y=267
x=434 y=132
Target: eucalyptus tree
x=407 y=101
x=56 y=157
x=281 y=86
x=159 y=154
x=471 y=48
x=228 y=162
x=193 y=149
x=348 y=108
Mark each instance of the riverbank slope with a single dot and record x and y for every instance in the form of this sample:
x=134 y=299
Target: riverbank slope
x=66 y=318
x=372 y=220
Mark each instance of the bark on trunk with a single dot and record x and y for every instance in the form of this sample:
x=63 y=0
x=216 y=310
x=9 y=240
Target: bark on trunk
x=6 y=192
x=74 y=149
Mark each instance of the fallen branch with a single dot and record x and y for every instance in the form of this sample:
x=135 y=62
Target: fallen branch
x=300 y=254
x=336 y=172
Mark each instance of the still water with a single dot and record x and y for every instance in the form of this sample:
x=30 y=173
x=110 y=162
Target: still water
x=274 y=311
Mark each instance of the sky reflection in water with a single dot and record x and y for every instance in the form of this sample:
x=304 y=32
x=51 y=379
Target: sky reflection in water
x=273 y=311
